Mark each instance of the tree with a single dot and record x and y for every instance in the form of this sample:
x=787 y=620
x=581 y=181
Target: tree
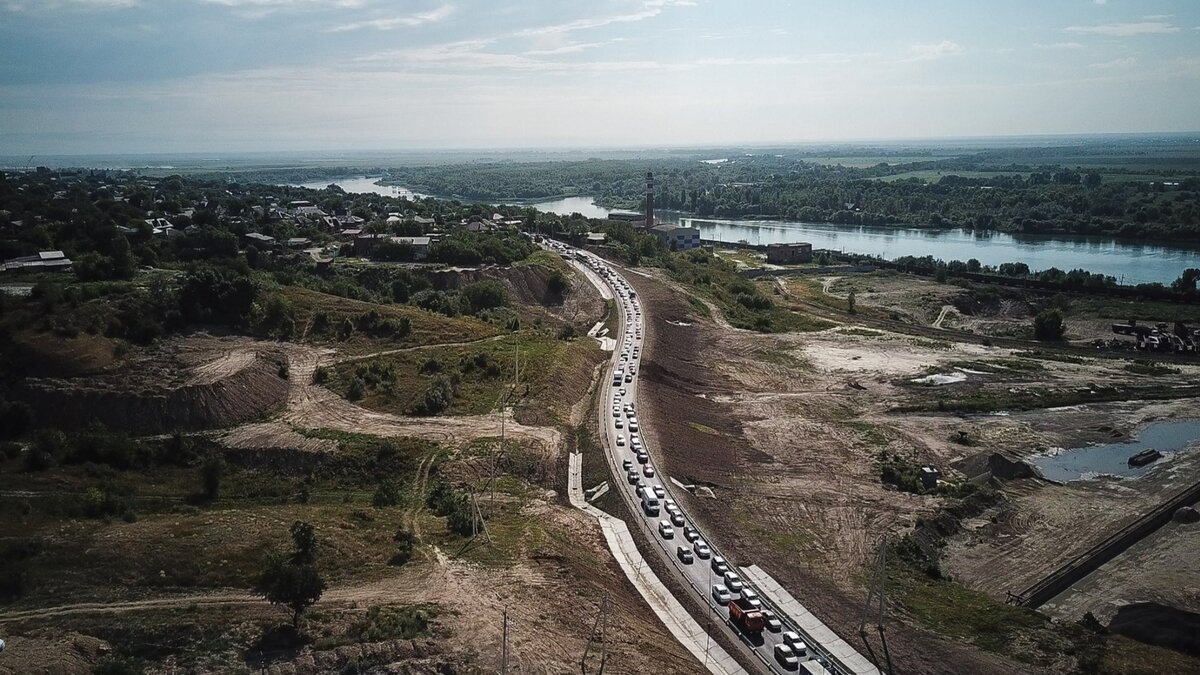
x=850 y=301
x=295 y=586
x=387 y=494
x=294 y=581
x=1048 y=326
x=1186 y=283
x=211 y=472
x=304 y=537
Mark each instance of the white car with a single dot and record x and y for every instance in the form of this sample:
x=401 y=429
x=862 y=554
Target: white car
x=665 y=529
x=720 y=594
x=702 y=550
x=750 y=596
x=620 y=439
x=733 y=582
x=659 y=492
x=792 y=639
x=786 y=657
x=619 y=424
x=616 y=413
x=648 y=472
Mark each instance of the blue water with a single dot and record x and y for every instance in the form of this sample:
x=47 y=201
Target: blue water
x=1112 y=459
x=1130 y=262
x=363 y=184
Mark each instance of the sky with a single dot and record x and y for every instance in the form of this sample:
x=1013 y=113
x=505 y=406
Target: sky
x=145 y=76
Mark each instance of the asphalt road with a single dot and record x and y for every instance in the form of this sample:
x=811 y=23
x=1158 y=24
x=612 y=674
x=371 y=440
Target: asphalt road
x=618 y=415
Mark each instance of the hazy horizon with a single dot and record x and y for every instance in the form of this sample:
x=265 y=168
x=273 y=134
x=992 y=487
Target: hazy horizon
x=103 y=77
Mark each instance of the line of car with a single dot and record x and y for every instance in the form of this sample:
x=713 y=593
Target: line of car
x=664 y=514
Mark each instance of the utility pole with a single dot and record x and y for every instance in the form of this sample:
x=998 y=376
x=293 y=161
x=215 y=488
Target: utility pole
x=504 y=649
x=601 y=626
x=878 y=591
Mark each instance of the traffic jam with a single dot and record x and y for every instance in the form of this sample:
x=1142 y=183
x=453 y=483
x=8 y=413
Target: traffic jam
x=732 y=599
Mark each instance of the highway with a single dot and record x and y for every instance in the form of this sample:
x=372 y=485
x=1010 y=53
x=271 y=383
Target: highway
x=623 y=435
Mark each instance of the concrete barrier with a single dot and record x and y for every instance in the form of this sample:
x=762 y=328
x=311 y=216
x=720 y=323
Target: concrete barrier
x=1089 y=561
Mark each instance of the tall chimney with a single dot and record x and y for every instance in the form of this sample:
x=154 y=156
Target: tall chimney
x=649 y=199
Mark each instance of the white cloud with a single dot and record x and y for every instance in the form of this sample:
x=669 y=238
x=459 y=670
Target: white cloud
x=573 y=48
x=285 y=4
x=1126 y=29
x=936 y=50
x=26 y=5
x=402 y=21
x=1116 y=63
x=1058 y=45
x=649 y=10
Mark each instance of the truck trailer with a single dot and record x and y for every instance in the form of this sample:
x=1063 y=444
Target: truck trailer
x=747 y=617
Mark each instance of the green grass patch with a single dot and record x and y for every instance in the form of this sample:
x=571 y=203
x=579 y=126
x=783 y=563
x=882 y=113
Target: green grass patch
x=953 y=610
x=744 y=303
x=546 y=260
x=860 y=332
x=1140 y=367
x=469 y=379
x=700 y=306
x=1044 y=355
x=320 y=316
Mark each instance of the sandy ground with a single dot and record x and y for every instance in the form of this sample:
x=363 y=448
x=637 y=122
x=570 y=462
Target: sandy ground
x=757 y=420
x=223 y=366
x=790 y=452
x=1163 y=568
x=552 y=600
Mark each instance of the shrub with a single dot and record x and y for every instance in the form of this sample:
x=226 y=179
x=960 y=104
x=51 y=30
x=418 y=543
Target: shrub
x=387 y=494
x=1048 y=326
x=320 y=375
x=406 y=542
x=390 y=623
x=439 y=395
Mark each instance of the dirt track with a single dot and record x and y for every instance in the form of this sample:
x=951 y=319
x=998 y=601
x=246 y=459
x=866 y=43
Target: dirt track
x=310 y=406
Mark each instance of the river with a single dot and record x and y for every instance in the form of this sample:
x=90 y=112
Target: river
x=362 y=184
x=1129 y=262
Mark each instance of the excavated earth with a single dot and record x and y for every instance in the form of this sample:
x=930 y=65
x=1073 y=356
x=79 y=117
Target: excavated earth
x=781 y=493
x=185 y=384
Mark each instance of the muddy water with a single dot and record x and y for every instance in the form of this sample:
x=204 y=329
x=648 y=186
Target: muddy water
x=1111 y=459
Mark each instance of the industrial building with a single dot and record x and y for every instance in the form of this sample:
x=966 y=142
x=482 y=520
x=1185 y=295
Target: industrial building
x=676 y=237
x=783 y=254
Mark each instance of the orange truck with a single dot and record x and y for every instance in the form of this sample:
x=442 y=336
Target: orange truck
x=747 y=617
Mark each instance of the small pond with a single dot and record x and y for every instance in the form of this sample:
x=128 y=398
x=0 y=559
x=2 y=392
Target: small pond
x=1112 y=459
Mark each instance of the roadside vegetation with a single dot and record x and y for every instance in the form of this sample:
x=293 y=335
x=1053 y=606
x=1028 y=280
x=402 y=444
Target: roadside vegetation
x=472 y=379
x=743 y=303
